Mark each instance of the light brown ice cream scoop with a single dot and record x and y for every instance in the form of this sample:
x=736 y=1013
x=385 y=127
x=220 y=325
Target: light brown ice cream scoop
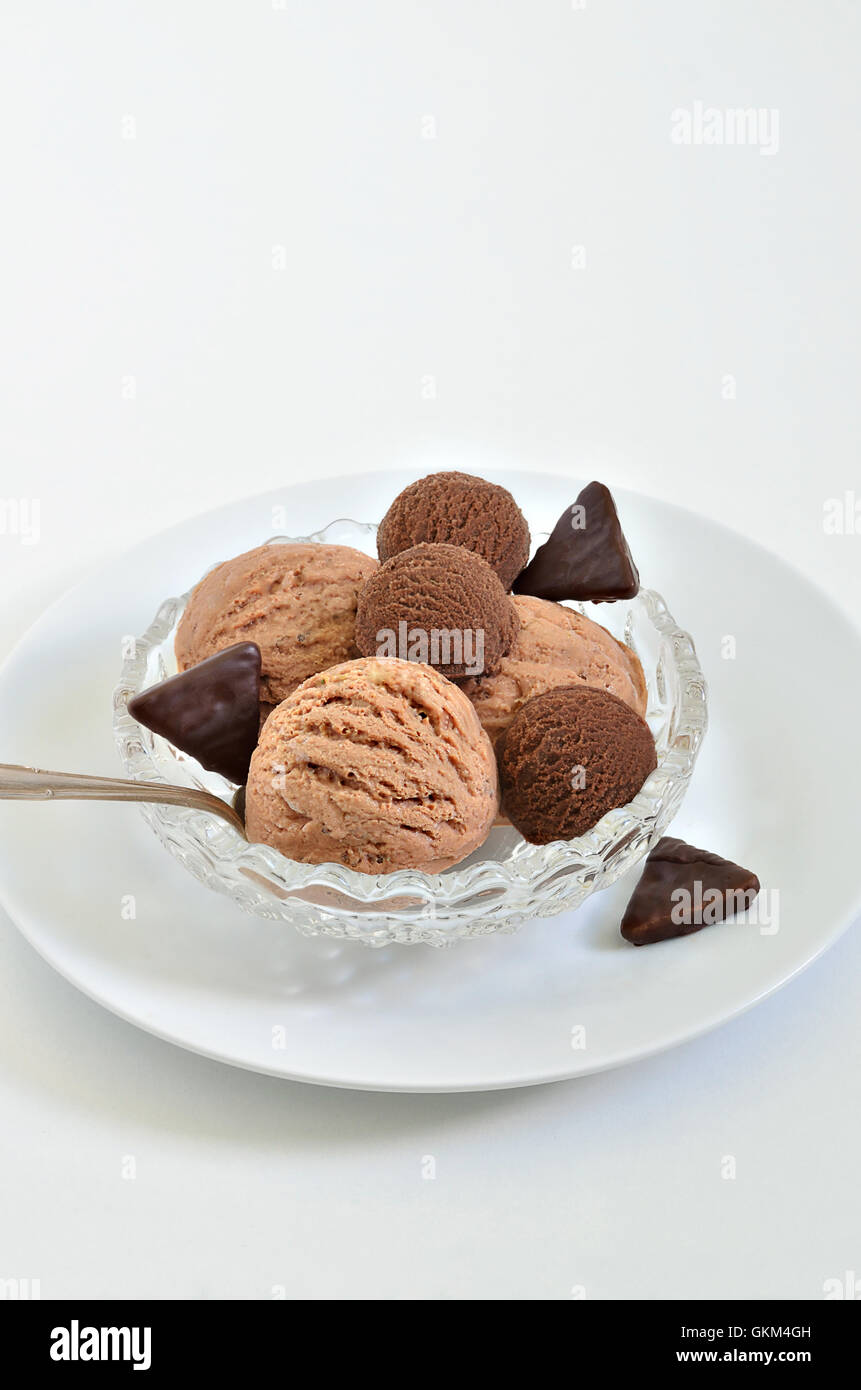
x=378 y=764
x=296 y=600
x=555 y=646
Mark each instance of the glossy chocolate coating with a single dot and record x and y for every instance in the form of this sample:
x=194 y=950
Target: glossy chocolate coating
x=674 y=865
x=589 y=561
x=211 y=711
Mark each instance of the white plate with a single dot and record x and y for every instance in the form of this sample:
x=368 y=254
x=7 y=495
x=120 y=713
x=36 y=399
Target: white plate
x=775 y=788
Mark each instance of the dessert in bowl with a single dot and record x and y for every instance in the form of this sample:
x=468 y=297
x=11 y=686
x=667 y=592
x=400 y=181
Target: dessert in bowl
x=389 y=755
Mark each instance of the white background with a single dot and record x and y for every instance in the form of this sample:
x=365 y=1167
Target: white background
x=431 y=308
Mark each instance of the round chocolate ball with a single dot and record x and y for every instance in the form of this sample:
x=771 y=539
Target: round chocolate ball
x=439 y=604
x=457 y=509
x=568 y=757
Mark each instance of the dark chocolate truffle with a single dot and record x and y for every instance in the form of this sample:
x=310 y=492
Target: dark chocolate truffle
x=209 y=711
x=683 y=889
x=439 y=604
x=586 y=555
x=568 y=757
x=457 y=509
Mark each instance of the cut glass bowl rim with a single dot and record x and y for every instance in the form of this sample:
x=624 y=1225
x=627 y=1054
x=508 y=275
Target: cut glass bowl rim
x=525 y=868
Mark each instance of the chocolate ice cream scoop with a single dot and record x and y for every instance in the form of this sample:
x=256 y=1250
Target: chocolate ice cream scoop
x=457 y=509
x=378 y=764
x=568 y=757
x=586 y=555
x=439 y=604
x=297 y=601
x=554 y=646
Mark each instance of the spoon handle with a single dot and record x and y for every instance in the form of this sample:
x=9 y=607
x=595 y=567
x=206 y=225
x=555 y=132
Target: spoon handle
x=18 y=783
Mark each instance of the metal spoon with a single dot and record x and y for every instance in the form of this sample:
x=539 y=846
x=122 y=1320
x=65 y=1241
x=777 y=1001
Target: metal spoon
x=18 y=783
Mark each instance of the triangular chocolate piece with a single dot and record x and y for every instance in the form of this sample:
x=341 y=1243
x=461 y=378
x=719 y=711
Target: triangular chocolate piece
x=684 y=889
x=211 y=711
x=586 y=556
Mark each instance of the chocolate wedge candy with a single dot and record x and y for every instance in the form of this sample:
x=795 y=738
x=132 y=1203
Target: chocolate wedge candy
x=684 y=889
x=211 y=711
x=586 y=556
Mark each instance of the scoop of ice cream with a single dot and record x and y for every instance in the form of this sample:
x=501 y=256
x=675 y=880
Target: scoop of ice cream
x=438 y=604
x=457 y=509
x=567 y=758
x=296 y=601
x=555 y=646
x=378 y=764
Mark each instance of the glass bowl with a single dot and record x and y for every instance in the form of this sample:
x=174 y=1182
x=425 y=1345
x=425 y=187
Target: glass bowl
x=503 y=884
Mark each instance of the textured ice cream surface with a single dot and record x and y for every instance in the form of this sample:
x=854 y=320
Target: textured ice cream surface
x=555 y=646
x=296 y=600
x=441 y=600
x=378 y=764
x=568 y=757
x=458 y=509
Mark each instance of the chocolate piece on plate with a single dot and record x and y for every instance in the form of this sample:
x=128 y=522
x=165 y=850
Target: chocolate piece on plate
x=586 y=556
x=683 y=889
x=211 y=711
